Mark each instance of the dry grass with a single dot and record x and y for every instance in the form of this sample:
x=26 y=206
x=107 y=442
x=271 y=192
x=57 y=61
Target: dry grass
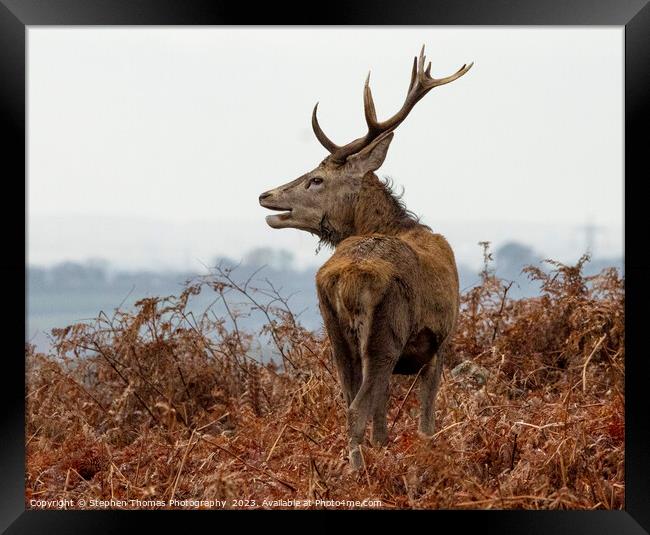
x=163 y=403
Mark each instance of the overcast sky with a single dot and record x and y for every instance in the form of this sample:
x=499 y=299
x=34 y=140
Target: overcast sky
x=152 y=144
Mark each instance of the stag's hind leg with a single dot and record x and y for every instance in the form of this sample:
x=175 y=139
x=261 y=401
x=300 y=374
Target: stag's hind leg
x=348 y=364
x=375 y=380
x=379 y=424
x=381 y=342
x=429 y=383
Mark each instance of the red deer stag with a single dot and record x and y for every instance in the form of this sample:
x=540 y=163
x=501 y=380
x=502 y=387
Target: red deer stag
x=389 y=293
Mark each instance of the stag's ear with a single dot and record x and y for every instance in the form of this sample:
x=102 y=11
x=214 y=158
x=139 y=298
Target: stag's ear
x=371 y=157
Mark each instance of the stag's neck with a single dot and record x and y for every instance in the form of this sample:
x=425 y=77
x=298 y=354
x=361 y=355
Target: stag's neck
x=379 y=211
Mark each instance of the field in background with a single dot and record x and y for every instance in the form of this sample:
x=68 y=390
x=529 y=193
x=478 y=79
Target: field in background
x=164 y=402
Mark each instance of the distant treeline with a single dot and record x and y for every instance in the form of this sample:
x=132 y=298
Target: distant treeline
x=72 y=291
x=276 y=265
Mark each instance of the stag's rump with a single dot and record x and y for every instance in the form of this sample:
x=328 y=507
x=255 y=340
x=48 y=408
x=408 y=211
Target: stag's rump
x=362 y=269
x=369 y=283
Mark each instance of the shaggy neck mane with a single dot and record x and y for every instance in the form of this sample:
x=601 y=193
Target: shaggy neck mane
x=378 y=210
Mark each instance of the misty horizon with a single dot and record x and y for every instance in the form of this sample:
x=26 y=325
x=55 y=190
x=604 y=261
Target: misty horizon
x=150 y=244
x=149 y=146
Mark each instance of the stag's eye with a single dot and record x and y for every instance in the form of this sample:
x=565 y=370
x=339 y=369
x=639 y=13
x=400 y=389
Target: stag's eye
x=316 y=181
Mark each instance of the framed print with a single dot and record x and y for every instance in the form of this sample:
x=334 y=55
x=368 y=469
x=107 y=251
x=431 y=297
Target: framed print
x=260 y=277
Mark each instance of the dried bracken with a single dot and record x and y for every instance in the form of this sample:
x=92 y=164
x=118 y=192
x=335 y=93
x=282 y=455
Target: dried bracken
x=162 y=403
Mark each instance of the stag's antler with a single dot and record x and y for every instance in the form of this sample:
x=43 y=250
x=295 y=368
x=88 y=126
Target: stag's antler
x=421 y=83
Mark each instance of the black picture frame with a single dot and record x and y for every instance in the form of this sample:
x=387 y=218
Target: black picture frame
x=17 y=15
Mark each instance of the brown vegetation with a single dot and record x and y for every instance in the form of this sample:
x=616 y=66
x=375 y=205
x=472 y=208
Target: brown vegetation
x=162 y=403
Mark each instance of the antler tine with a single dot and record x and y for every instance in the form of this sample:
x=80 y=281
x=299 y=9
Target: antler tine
x=421 y=60
x=414 y=74
x=369 y=107
x=429 y=82
x=451 y=78
x=320 y=135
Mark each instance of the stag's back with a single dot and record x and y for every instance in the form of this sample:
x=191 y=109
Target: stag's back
x=437 y=281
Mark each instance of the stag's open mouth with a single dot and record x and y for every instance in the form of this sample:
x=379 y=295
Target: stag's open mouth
x=277 y=219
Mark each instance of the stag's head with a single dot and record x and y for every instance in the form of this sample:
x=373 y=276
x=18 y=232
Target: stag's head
x=325 y=198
